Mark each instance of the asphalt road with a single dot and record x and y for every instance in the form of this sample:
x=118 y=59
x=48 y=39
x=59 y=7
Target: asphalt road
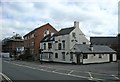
x=21 y=72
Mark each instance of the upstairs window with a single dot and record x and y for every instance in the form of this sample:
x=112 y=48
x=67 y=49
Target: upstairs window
x=46 y=32
x=59 y=46
x=84 y=42
x=63 y=43
x=25 y=38
x=56 y=44
x=32 y=43
x=44 y=46
x=49 y=45
x=56 y=41
x=32 y=35
x=73 y=35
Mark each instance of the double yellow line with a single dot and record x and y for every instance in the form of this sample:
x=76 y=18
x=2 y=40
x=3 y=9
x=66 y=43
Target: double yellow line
x=5 y=77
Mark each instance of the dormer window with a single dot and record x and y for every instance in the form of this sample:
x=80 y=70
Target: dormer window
x=46 y=32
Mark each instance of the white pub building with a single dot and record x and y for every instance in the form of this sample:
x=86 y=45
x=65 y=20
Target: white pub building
x=70 y=45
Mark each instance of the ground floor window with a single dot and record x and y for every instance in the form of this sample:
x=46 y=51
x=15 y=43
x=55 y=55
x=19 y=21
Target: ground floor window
x=63 y=55
x=85 y=56
x=49 y=56
x=100 y=55
x=71 y=57
x=56 y=55
x=44 y=56
x=32 y=51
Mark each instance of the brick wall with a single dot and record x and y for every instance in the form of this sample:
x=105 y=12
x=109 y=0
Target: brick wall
x=38 y=36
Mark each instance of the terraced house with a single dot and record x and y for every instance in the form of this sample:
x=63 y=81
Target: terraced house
x=70 y=45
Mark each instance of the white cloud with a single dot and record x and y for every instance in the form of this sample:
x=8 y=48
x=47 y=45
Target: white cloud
x=96 y=18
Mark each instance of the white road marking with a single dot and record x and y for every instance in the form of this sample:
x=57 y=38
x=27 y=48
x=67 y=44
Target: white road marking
x=67 y=69
x=6 y=61
x=116 y=77
x=99 y=73
x=89 y=78
x=70 y=72
x=90 y=75
x=6 y=77
x=41 y=66
x=41 y=69
x=54 y=70
x=51 y=71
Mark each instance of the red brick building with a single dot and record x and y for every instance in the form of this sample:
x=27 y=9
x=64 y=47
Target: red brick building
x=11 y=45
x=33 y=38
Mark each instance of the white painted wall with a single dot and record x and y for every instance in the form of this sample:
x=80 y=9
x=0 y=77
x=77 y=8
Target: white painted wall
x=45 y=56
x=114 y=57
x=63 y=37
x=66 y=50
x=96 y=59
x=80 y=37
x=60 y=58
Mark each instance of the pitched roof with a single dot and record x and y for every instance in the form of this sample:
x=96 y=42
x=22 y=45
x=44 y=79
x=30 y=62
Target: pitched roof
x=38 y=28
x=47 y=38
x=64 y=31
x=85 y=48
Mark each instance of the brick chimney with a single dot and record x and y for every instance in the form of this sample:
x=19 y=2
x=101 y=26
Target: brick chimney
x=76 y=24
x=91 y=47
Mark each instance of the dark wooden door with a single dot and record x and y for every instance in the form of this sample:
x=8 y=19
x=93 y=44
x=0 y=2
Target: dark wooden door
x=78 y=58
x=111 y=58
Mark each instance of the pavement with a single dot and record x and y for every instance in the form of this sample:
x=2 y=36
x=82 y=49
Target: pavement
x=94 y=72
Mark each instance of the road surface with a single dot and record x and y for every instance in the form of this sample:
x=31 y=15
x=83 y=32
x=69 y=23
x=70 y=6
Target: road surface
x=23 y=72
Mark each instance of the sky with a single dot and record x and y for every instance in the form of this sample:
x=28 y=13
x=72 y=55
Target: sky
x=96 y=17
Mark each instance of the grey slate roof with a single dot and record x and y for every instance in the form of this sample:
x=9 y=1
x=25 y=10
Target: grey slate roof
x=103 y=40
x=47 y=38
x=64 y=31
x=84 y=48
